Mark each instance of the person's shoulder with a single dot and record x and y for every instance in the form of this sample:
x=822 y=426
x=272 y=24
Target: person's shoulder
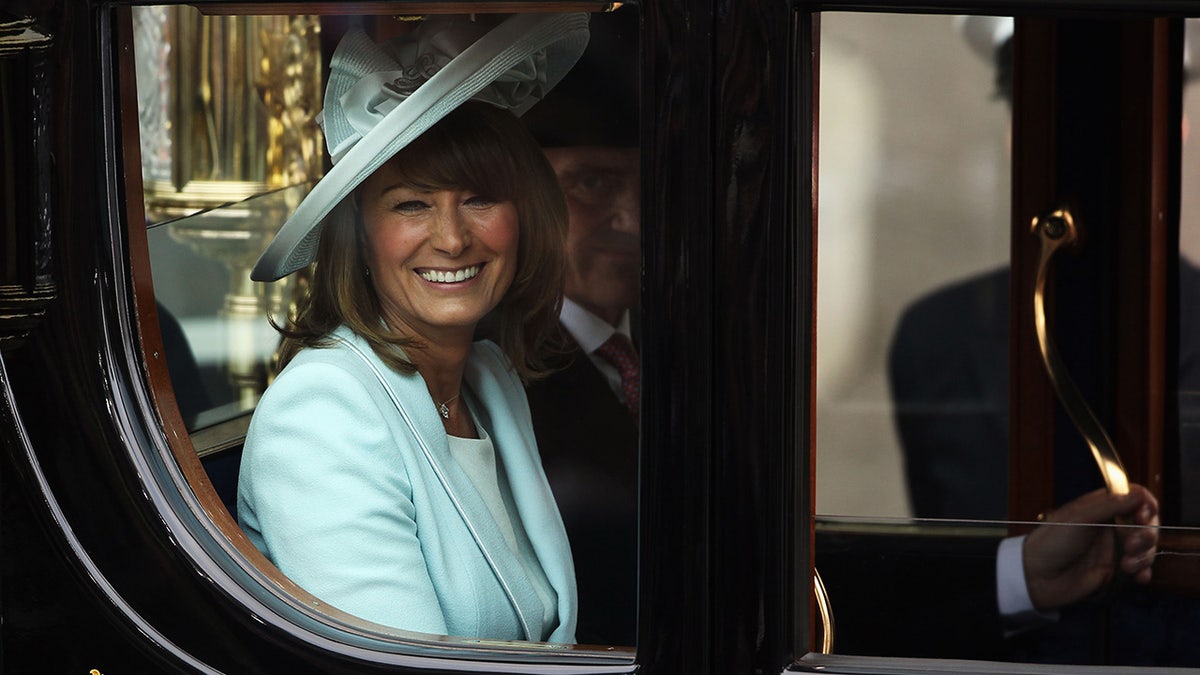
x=322 y=393
x=331 y=369
x=949 y=322
x=340 y=348
x=988 y=288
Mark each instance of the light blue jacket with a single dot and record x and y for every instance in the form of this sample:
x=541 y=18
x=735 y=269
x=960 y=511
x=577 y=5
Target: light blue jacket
x=348 y=486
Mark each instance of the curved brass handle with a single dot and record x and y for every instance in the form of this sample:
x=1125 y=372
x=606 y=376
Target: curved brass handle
x=825 y=609
x=1056 y=231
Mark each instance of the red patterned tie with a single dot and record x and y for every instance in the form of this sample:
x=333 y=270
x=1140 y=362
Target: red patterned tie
x=618 y=350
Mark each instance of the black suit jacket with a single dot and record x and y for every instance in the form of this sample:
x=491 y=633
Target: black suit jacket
x=948 y=369
x=589 y=447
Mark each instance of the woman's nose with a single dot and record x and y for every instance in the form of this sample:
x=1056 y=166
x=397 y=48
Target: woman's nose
x=450 y=233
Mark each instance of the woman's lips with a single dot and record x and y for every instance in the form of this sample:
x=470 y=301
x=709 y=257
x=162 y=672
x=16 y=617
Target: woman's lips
x=450 y=276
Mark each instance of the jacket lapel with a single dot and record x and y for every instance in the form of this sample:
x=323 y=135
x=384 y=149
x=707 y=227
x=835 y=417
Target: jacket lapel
x=411 y=397
x=505 y=411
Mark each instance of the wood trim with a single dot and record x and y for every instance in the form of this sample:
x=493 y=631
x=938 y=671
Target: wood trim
x=1121 y=193
x=1150 y=166
x=149 y=335
x=1034 y=186
x=401 y=8
x=1177 y=567
x=807 y=57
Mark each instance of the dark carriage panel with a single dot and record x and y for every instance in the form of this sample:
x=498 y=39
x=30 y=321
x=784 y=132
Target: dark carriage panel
x=121 y=552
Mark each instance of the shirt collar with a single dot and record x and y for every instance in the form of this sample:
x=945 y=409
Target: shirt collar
x=589 y=330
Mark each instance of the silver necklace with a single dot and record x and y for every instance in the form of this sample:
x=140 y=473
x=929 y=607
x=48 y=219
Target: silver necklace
x=444 y=408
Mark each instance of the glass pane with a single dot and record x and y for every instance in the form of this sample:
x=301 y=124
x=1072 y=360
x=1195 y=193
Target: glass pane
x=912 y=536
x=230 y=149
x=220 y=344
x=914 y=185
x=1189 y=290
x=226 y=108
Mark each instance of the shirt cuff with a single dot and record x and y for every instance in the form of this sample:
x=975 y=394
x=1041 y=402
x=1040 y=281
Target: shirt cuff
x=1012 y=592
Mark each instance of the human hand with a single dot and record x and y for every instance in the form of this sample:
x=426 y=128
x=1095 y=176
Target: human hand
x=1070 y=556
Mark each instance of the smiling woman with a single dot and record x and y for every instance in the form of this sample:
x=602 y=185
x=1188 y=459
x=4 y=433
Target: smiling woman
x=390 y=469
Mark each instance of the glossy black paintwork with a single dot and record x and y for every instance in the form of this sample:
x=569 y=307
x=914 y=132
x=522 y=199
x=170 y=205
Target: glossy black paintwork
x=95 y=576
x=104 y=580
x=719 y=396
x=26 y=71
x=75 y=386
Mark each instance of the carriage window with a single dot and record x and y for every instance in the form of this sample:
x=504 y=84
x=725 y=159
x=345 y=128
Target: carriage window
x=913 y=496
x=914 y=180
x=230 y=147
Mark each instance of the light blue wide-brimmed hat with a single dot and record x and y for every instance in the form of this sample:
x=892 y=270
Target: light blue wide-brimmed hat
x=381 y=97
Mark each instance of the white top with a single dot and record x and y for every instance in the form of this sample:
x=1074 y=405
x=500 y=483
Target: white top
x=477 y=458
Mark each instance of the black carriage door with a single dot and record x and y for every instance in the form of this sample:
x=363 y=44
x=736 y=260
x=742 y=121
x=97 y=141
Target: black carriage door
x=938 y=430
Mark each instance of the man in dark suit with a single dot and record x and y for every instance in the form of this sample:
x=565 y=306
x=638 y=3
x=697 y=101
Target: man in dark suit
x=948 y=367
x=585 y=414
x=948 y=370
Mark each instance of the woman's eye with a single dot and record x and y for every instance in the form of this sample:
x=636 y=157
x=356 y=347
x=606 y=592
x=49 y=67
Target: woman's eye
x=479 y=201
x=410 y=206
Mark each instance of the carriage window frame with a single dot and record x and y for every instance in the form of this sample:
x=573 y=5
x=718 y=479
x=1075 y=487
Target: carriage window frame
x=174 y=431
x=175 y=475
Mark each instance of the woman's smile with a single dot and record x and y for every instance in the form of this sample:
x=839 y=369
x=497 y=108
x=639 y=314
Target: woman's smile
x=449 y=276
x=440 y=260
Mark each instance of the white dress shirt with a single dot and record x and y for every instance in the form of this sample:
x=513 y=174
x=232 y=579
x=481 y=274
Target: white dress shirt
x=590 y=331
x=1012 y=592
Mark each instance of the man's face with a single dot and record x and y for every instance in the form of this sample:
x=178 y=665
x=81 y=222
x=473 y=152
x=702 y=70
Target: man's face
x=603 y=190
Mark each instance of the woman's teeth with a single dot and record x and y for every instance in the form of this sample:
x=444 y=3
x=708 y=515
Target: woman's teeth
x=438 y=276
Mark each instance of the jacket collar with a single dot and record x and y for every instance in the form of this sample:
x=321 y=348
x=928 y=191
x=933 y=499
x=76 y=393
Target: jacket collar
x=504 y=411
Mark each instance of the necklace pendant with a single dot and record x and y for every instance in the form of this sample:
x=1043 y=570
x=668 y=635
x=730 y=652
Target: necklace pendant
x=445 y=410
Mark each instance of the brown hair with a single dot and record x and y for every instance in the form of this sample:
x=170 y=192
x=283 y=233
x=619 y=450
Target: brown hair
x=480 y=148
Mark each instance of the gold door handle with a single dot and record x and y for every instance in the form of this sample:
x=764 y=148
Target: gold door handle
x=825 y=610
x=1057 y=230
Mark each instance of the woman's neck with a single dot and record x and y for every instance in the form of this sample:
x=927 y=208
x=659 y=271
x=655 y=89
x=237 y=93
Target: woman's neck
x=441 y=365
x=440 y=356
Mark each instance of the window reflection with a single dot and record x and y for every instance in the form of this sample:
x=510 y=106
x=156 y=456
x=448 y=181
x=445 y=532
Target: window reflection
x=201 y=279
x=930 y=298
x=223 y=120
x=913 y=249
x=1189 y=288
x=914 y=197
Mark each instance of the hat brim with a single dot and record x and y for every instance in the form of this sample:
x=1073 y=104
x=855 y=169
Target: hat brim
x=563 y=36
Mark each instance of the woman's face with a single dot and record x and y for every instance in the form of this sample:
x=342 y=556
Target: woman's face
x=439 y=261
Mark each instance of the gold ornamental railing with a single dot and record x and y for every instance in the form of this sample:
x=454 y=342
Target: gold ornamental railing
x=227 y=107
